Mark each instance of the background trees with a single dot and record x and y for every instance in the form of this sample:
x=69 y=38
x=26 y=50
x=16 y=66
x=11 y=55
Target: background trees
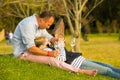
x=12 y=11
x=101 y=16
x=108 y=15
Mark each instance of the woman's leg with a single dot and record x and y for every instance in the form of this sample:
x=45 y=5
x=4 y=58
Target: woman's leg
x=101 y=69
x=107 y=65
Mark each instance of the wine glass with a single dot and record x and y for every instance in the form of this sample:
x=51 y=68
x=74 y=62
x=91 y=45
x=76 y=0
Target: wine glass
x=72 y=43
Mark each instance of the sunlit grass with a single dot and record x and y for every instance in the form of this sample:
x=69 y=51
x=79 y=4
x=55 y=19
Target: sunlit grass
x=100 y=47
x=103 y=48
x=4 y=48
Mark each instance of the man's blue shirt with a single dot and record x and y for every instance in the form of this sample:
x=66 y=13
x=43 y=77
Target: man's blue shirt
x=25 y=33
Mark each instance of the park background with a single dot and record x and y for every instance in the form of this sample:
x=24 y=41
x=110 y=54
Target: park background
x=102 y=22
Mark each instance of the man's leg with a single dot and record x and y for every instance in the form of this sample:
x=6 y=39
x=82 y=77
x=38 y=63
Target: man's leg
x=48 y=60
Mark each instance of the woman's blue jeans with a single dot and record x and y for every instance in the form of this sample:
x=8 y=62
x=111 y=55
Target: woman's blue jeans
x=103 y=68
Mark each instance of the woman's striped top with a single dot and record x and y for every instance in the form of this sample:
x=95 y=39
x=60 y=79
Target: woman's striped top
x=77 y=61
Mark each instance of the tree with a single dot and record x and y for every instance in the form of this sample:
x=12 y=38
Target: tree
x=108 y=14
x=12 y=11
x=76 y=12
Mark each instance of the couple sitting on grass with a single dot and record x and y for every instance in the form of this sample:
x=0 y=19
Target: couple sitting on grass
x=60 y=61
x=24 y=48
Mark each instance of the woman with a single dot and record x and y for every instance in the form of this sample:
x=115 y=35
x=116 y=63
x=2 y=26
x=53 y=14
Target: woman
x=78 y=61
x=42 y=43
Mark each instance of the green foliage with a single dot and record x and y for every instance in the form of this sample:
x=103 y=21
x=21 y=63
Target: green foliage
x=119 y=34
x=1 y=27
x=11 y=12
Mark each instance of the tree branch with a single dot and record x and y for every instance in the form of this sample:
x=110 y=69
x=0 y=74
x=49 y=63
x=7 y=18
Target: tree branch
x=95 y=5
x=67 y=15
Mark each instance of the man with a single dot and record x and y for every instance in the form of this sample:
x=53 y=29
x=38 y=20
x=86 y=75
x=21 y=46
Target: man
x=10 y=36
x=84 y=32
x=27 y=30
x=7 y=37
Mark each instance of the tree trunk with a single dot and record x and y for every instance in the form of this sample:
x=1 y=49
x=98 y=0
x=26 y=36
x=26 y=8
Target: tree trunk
x=119 y=33
x=77 y=47
x=77 y=42
x=2 y=34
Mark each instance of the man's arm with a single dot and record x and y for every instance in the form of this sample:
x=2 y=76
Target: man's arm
x=38 y=51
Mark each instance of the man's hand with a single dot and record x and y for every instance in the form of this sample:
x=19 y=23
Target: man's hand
x=55 y=53
x=53 y=40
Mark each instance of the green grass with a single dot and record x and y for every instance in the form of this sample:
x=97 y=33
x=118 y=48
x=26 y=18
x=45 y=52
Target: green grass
x=100 y=47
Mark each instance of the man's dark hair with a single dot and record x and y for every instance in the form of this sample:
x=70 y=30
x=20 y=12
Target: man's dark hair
x=46 y=15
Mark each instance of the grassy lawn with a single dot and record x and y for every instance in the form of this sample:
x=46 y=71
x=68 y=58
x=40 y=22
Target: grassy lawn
x=100 y=47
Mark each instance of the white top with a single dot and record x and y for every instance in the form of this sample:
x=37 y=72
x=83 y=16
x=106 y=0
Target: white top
x=11 y=35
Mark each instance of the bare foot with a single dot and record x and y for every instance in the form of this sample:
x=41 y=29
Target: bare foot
x=89 y=72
